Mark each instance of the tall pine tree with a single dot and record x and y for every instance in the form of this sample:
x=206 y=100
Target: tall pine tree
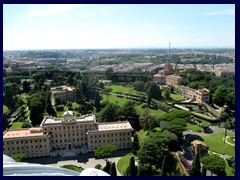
x=113 y=171
x=135 y=144
x=195 y=169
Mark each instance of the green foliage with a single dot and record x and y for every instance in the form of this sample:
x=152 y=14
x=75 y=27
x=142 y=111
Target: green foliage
x=129 y=113
x=166 y=93
x=145 y=169
x=105 y=151
x=98 y=166
x=132 y=168
x=136 y=146
x=154 y=148
x=214 y=163
x=26 y=125
x=109 y=113
x=113 y=171
x=195 y=169
x=19 y=157
x=147 y=120
x=138 y=86
x=73 y=167
x=107 y=167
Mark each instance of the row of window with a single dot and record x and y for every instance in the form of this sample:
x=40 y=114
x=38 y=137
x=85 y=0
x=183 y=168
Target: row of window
x=26 y=147
x=22 y=142
x=69 y=140
x=113 y=140
x=108 y=135
x=70 y=127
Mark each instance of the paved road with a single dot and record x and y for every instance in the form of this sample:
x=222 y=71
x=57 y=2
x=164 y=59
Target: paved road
x=212 y=130
x=85 y=161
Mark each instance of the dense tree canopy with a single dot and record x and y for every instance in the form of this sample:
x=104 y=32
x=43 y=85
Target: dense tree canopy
x=105 y=151
x=214 y=163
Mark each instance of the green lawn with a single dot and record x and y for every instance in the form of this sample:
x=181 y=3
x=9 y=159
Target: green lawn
x=16 y=125
x=123 y=163
x=194 y=127
x=216 y=144
x=5 y=109
x=176 y=97
x=125 y=90
x=73 y=167
x=229 y=170
x=115 y=100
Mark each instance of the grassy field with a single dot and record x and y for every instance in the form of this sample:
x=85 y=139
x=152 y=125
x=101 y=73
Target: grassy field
x=123 y=163
x=229 y=170
x=216 y=144
x=194 y=127
x=176 y=97
x=115 y=100
x=5 y=109
x=125 y=90
x=16 y=125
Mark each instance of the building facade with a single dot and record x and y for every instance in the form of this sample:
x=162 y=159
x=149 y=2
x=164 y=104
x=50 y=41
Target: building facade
x=69 y=132
x=64 y=93
x=173 y=80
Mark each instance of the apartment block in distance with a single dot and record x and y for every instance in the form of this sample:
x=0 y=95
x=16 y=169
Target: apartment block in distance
x=54 y=134
x=64 y=93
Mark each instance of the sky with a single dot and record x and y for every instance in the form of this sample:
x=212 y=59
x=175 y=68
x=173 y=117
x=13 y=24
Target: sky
x=100 y=26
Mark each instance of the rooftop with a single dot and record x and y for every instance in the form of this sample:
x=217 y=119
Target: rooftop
x=197 y=142
x=52 y=120
x=61 y=88
x=113 y=126
x=26 y=132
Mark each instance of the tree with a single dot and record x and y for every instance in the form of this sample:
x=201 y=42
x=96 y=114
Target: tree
x=105 y=151
x=227 y=126
x=109 y=113
x=107 y=167
x=145 y=169
x=98 y=166
x=177 y=129
x=26 y=125
x=204 y=125
x=26 y=86
x=132 y=168
x=195 y=169
x=97 y=101
x=154 y=148
x=204 y=171
x=214 y=163
x=135 y=144
x=166 y=93
x=163 y=169
x=10 y=90
x=130 y=113
x=113 y=171
x=138 y=86
x=147 y=120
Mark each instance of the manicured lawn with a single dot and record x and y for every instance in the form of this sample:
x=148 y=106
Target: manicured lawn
x=176 y=97
x=194 y=127
x=5 y=109
x=16 y=125
x=73 y=167
x=230 y=140
x=115 y=100
x=119 y=88
x=229 y=170
x=216 y=144
x=123 y=163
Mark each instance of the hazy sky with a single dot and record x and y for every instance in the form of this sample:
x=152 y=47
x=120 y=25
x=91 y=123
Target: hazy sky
x=72 y=26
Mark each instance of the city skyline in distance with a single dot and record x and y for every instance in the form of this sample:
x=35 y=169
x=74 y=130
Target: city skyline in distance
x=109 y=26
